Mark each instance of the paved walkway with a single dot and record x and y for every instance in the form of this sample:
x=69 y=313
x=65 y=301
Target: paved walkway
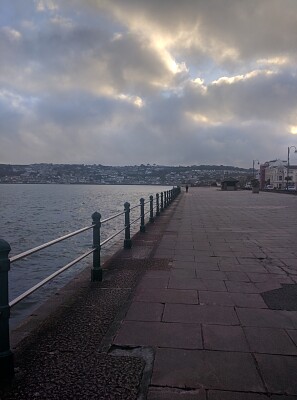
x=213 y=335
x=204 y=306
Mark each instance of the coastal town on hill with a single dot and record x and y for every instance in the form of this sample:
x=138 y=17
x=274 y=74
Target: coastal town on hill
x=273 y=174
x=203 y=175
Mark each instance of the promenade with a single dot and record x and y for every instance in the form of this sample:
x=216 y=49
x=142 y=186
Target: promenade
x=204 y=306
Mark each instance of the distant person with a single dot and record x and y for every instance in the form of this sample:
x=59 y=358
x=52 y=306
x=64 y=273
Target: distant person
x=187 y=188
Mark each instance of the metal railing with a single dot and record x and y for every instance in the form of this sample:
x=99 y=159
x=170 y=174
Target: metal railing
x=161 y=202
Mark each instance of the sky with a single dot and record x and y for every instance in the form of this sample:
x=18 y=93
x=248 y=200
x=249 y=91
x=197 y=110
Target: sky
x=170 y=82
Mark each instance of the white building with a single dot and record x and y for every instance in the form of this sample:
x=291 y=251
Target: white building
x=276 y=174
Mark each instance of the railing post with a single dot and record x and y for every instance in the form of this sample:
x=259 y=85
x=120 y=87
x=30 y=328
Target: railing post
x=158 y=205
x=96 y=272
x=6 y=356
x=151 y=208
x=162 y=203
x=127 y=241
x=142 y=226
x=165 y=199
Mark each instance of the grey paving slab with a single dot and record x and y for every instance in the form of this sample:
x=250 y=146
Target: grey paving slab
x=217 y=275
x=141 y=311
x=267 y=286
x=241 y=287
x=293 y=335
x=279 y=373
x=220 y=395
x=207 y=266
x=228 y=338
x=184 y=264
x=214 y=285
x=186 y=283
x=237 y=276
x=207 y=369
x=167 y=296
x=215 y=298
x=183 y=273
x=176 y=394
x=265 y=318
x=248 y=300
x=205 y=314
x=270 y=341
x=188 y=257
x=158 y=282
x=280 y=278
x=160 y=334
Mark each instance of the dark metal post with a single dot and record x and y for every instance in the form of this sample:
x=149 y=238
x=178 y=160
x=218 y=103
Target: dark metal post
x=158 y=204
x=6 y=356
x=165 y=199
x=127 y=241
x=162 y=203
x=142 y=226
x=151 y=208
x=96 y=272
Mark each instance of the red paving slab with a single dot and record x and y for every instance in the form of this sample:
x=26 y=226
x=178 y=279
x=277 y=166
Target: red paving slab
x=213 y=336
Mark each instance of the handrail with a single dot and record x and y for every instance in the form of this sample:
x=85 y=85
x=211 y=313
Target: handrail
x=49 y=278
x=6 y=356
x=111 y=237
x=48 y=244
x=112 y=217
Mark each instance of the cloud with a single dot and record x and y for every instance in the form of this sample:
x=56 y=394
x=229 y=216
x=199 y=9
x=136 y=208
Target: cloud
x=147 y=81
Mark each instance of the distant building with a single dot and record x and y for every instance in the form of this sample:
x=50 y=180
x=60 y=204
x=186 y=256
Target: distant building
x=229 y=184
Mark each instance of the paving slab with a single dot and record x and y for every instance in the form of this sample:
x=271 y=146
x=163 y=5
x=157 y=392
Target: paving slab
x=270 y=341
x=279 y=373
x=265 y=318
x=176 y=394
x=145 y=311
x=205 y=314
x=220 y=395
x=228 y=338
x=167 y=296
x=206 y=369
x=184 y=336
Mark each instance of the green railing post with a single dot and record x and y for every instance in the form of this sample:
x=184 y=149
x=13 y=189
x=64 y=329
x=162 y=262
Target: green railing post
x=158 y=205
x=96 y=272
x=162 y=203
x=151 y=209
x=6 y=356
x=127 y=240
x=142 y=226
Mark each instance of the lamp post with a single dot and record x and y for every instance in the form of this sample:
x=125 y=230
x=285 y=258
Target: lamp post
x=254 y=167
x=288 y=164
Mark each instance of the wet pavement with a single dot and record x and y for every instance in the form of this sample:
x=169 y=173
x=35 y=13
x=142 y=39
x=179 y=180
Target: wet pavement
x=202 y=307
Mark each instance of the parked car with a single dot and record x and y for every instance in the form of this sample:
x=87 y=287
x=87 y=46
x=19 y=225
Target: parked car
x=291 y=187
x=269 y=187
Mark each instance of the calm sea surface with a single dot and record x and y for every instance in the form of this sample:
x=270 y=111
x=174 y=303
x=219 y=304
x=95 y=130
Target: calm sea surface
x=31 y=215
